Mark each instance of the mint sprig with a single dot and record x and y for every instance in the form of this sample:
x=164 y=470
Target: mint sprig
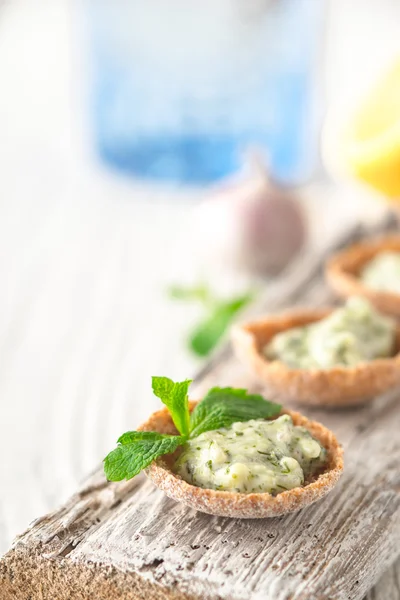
x=218 y=315
x=206 y=335
x=221 y=407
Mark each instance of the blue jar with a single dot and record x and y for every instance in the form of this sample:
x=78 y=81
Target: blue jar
x=180 y=90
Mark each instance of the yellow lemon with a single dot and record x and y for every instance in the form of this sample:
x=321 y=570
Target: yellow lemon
x=372 y=143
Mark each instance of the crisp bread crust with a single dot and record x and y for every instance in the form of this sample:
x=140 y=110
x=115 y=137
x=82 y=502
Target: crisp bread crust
x=245 y=506
x=336 y=387
x=343 y=269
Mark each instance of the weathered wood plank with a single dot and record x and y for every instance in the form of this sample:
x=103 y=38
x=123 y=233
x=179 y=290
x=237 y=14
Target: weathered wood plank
x=129 y=541
x=388 y=587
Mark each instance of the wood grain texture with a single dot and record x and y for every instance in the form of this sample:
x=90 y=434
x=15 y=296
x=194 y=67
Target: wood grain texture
x=388 y=587
x=129 y=541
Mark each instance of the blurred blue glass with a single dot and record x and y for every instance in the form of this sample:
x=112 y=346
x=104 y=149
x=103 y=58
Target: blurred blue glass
x=181 y=89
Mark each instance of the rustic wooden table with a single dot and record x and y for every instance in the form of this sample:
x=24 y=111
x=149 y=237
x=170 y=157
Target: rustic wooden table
x=88 y=400
x=84 y=262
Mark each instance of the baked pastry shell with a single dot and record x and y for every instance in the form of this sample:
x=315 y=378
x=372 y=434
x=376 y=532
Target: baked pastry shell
x=245 y=506
x=342 y=273
x=338 y=386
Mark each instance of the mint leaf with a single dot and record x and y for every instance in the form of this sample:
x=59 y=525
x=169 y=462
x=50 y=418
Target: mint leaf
x=200 y=293
x=207 y=334
x=175 y=397
x=134 y=436
x=222 y=407
x=131 y=457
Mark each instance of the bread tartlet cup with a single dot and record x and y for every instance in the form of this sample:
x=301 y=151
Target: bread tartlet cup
x=337 y=386
x=240 y=505
x=343 y=270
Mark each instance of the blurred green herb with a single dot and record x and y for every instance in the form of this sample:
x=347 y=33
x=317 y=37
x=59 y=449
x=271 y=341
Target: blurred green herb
x=219 y=314
x=199 y=292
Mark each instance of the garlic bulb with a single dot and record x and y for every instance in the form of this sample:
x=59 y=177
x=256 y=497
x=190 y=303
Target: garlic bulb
x=252 y=226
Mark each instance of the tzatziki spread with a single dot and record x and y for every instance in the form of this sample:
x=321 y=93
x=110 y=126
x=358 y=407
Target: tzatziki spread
x=252 y=456
x=383 y=272
x=354 y=333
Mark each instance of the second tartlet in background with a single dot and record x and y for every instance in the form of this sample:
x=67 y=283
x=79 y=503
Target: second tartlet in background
x=369 y=269
x=331 y=357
